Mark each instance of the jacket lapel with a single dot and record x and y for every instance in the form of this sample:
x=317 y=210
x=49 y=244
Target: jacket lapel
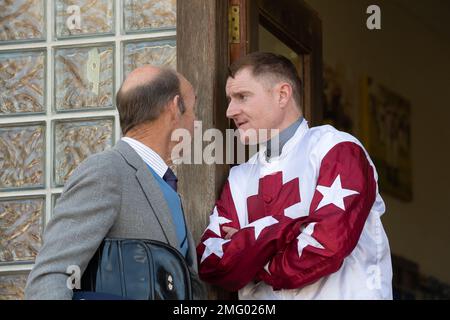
x=151 y=190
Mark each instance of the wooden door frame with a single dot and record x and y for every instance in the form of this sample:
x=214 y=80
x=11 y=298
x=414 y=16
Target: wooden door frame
x=203 y=58
x=296 y=24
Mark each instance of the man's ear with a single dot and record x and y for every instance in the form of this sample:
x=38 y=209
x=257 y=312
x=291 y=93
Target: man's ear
x=284 y=94
x=173 y=108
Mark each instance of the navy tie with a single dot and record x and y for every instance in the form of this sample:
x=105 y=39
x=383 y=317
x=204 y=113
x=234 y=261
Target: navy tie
x=171 y=179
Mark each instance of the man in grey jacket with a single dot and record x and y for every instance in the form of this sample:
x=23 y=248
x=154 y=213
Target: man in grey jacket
x=122 y=192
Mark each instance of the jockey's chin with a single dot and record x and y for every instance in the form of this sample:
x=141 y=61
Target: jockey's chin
x=253 y=136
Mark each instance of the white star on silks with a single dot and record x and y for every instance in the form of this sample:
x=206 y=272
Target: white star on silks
x=305 y=239
x=266 y=267
x=215 y=221
x=213 y=246
x=261 y=224
x=334 y=194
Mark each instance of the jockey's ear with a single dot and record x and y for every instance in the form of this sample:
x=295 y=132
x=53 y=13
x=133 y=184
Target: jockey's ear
x=284 y=92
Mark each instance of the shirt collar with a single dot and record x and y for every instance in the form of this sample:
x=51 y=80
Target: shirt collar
x=149 y=156
x=291 y=143
x=275 y=149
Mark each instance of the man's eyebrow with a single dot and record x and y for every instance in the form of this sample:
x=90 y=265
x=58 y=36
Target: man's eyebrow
x=236 y=93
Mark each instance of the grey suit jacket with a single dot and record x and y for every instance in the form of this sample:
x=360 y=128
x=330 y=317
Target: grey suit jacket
x=111 y=194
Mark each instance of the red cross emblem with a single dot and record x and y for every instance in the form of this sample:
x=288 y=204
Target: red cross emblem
x=273 y=197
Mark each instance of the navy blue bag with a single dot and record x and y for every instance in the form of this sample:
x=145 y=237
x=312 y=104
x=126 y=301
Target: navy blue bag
x=135 y=269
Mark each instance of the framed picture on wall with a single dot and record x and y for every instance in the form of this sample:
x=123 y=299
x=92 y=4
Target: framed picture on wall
x=386 y=132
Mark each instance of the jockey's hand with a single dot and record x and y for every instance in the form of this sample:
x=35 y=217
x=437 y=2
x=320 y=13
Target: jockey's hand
x=229 y=232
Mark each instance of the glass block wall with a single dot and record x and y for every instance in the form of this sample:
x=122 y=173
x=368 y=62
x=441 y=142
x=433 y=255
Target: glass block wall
x=61 y=62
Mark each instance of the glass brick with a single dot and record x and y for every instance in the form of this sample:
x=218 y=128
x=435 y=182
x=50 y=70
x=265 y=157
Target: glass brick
x=84 y=17
x=21 y=227
x=148 y=15
x=75 y=140
x=55 y=198
x=22 y=20
x=12 y=286
x=22 y=156
x=22 y=82
x=84 y=78
x=160 y=53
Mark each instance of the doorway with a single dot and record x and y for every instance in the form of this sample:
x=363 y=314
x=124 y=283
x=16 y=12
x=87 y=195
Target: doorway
x=287 y=27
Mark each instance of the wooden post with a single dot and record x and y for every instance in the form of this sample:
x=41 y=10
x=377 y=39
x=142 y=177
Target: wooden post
x=202 y=57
